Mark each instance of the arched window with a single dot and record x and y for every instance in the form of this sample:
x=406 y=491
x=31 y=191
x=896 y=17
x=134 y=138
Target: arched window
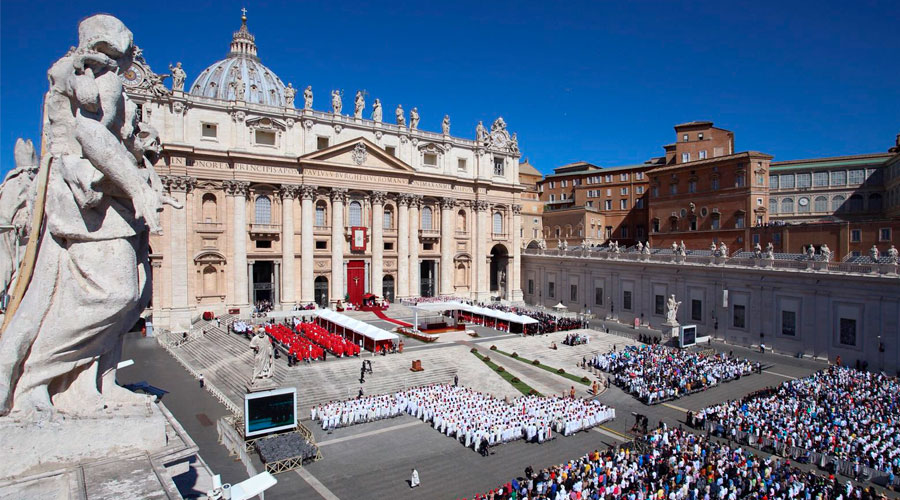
x=263 y=210
x=461 y=221
x=355 y=213
x=320 y=214
x=787 y=206
x=856 y=203
x=498 y=223
x=388 y=218
x=427 y=218
x=803 y=204
x=773 y=206
x=874 y=202
x=837 y=202
x=821 y=204
x=209 y=208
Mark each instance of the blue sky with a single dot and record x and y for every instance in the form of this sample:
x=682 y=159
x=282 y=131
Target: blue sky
x=597 y=81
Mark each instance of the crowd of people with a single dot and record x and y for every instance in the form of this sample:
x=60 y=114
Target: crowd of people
x=263 y=306
x=335 y=344
x=473 y=418
x=546 y=322
x=840 y=412
x=298 y=347
x=656 y=373
x=672 y=464
x=574 y=339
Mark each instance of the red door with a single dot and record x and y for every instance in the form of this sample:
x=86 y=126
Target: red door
x=356 y=281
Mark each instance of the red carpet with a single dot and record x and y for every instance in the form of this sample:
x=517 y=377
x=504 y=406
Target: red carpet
x=394 y=321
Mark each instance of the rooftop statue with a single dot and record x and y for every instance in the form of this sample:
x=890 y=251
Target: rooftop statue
x=308 y=97
x=62 y=337
x=289 y=94
x=401 y=119
x=414 y=119
x=336 y=104
x=178 y=76
x=359 y=104
x=445 y=125
x=377 y=111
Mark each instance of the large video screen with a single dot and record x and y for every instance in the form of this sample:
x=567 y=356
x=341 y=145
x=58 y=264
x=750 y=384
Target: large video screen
x=688 y=335
x=270 y=411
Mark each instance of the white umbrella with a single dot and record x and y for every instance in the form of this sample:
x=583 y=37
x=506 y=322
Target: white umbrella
x=560 y=307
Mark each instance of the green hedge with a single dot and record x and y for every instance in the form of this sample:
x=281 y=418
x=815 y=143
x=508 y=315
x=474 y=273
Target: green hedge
x=514 y=381
x=559 y=371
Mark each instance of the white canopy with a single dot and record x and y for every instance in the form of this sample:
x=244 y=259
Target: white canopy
x=482 y=311
x=560 y=306
x=366 y=330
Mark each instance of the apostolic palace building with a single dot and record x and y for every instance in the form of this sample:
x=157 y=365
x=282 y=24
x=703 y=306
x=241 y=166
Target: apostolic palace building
x=295 y=205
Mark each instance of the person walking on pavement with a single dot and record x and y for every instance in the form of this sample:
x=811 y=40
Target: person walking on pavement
x=201 y=381
x=414 y=479
x=455 y=380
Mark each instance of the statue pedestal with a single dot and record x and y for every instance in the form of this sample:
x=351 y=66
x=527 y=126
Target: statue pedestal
x=674 y=329
x=33 y=447
x=262 y=385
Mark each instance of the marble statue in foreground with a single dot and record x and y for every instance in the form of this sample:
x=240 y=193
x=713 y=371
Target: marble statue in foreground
x=60 y=348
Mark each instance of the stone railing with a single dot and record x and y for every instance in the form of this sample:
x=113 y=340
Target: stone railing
x=870 y=269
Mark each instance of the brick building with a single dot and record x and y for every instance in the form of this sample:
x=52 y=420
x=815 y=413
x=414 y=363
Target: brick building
x=705 y=192
x=531 y=231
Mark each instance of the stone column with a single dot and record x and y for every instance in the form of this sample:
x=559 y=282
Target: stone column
x=481 y=269
x=251 y=297
x=288 y=298
x=307 y=216
x=514 y=274
x=180 y=316
x=415 y=203
x=377 y=242
x=238 y=190
x=337 y=243
x=276 y=285
x=402 y=246
x=447 y=242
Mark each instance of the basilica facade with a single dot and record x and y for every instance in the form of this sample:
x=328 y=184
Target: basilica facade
x=291 y=205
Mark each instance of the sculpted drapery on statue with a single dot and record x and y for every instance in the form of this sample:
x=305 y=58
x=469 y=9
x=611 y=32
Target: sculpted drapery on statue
x=414 y=119
x=336 y=104
x=445 y=125
x=15 y=211
x=672 y=310
x=401 y=119
x=359 y=104
x=289 y=94
x=178 y=76
x=263 y=358
x=60 y=348
x=376 y=111
x=308 y=97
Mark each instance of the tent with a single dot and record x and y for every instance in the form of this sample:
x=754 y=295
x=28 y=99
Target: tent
x=560 y=307
x=482 y=315
x=372 y=337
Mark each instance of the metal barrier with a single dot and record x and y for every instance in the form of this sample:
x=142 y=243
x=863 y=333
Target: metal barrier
x=234 y=443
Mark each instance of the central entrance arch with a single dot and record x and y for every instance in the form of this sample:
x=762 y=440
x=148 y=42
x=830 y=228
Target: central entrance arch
x=321 y=291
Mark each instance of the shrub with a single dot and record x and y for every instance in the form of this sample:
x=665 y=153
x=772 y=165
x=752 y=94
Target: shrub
x=535 y=362
x=515 y=380
x=560 y=371
x=473 y=350
x=493 y=348
x=585 y=379
x=515 y=355
x=532 y=392
x=487 y=359
x=500 y=369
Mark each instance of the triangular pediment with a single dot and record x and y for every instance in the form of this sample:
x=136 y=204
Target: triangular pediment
x=359 y=152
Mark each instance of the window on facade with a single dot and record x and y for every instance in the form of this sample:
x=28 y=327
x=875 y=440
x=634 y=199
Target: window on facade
x=855 y=235
x=429 y=159
x=598 y=296
x=821 y=204
x=855 y=204
x=789 y=323
x=623 y=231
x=838 y=177
x=388 y=245
x=659 y=305
x=607 y=205
x=576 y=182
x=321 y=142
x=739 y=221
x=320 y=214
x=530 y=287
x=803 y=205
x=639 y=176
x=321 y=245
x=685 y=157
x=739 y=180
x=626 y=300
x=552 y=197
x=265 y=138
x=786 y=181
x=874 y=202
x=837 y=203
x=692 y=186
x=428 y=246
x=209 y=130
x=623 y=191
x=820 y=179
x=673 y=188
x=655 y=225
x=776 y=238
x=263 y=210
x=884 y=234
x=355 y=210
x=639 y=190
x=639 y=203
x=847 y=331
x=209 y=208
x=391 y=150
x=655 y=191
x=498 y=167
x=696 y=310
x=608 y=232
x=787 y=206
x=773 y=206
x=703 y=154
x=773 y=181
x=803 y=180
x=388 y=218
x=715 y=183
x=461 y=165
x=700 y=136
x=623 y=204
x=573 y=293
x=684 y=138
x=551 y=289
x=639 y=232
x=738 y=316
x=692 y=225
x=498 y=223
x=552 y=184
x=564 y=183
x=856 y=177
x=427 y=218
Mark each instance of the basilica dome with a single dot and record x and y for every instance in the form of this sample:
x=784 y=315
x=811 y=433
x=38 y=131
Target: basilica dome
x=240 y=76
